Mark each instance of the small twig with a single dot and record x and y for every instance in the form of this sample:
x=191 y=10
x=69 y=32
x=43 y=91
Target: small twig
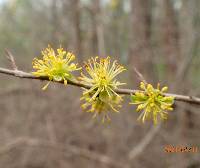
x=140 y=76
x=21 y=74
x=11 y=59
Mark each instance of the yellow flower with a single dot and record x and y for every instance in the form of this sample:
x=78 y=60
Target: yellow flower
x=56 y=66
x=101 y=76
x=152 y=102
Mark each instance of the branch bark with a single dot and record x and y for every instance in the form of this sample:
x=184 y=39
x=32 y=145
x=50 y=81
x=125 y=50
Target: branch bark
x=22 y=74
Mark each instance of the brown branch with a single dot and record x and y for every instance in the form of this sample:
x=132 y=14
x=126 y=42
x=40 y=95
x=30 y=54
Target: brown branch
x=11 y=59
x=21 y=74
x=140 y=76
x=140 y=147
x=33 y=142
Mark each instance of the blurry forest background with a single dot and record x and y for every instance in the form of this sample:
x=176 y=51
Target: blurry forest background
x=161 y=38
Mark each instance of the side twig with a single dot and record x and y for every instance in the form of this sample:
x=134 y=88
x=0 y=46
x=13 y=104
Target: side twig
x=11 y=59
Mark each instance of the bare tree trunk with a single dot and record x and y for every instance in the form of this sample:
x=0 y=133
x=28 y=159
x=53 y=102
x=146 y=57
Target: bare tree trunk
x=54 y=22
x=98 y=27
x=141 y=55
x=169 y=41
x=188 y=40
x=77 y=28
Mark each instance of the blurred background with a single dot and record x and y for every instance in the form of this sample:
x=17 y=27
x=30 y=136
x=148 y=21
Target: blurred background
x=38 y=129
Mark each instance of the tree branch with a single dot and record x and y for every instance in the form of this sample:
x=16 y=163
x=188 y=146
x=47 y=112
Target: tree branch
x=33 y=142
x=21 y=74
x=139 y=148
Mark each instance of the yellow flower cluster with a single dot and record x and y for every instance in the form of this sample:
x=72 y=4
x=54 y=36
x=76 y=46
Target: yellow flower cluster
x=101 y=76
x=152 y=102
x=55 y=66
